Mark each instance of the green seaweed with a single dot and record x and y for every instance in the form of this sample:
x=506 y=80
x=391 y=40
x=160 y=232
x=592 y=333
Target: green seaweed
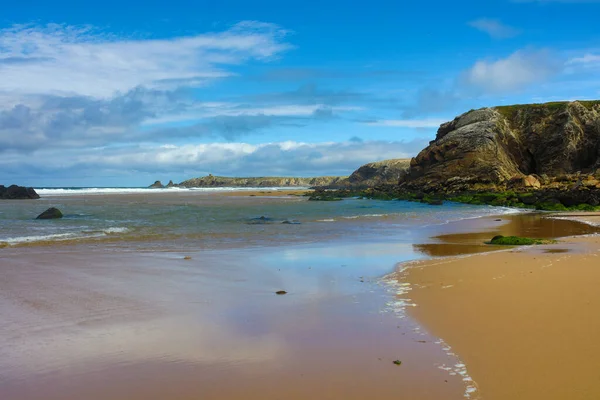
x=517 y=241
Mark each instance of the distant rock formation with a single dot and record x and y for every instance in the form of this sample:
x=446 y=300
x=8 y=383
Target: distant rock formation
x=170 y=184
x=17 y=192
x=376 y=173
x=522 y=145
x=51 y=213
x=221 y=181
x=156 y=185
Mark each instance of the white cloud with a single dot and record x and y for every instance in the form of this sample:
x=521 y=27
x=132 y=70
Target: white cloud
x=494 y=28
x=179 y=162
x=586 y=60
x=515 y=72
x=409 y=123
x=58 y=59
x=201 y=110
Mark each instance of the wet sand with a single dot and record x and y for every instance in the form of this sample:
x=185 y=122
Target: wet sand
x=591 y=218
x=525 y=321
x=262 y=193
x=88 y=322
x=83 y=323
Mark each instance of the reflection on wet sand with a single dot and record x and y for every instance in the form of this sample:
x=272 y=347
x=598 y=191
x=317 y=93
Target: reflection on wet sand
x=81 y=323
x=535 y=225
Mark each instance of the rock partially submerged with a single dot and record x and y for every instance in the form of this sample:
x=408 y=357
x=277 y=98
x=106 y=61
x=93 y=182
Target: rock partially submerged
x=156 y=185
x=262 y=220
x=51 y=213
x=14 y=192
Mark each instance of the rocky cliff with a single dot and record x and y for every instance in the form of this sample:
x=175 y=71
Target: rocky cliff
x=376 y=173
x=544 y=156
x=531 y=144
x=221 y=181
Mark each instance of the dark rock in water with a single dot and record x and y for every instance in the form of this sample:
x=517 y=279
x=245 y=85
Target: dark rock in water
x=260 y=221
x=281 y=292
x=291 y=222
x=170 y=184
x=14 y=192
x=51 y=213
x=156 y=185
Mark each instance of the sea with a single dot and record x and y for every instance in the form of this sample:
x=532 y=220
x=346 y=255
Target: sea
x=205 y=218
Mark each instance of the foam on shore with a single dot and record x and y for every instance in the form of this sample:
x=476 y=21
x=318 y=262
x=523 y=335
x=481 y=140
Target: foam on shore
x=125 y=190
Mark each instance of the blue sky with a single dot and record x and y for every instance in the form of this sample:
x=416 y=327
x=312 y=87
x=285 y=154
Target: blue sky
x=123 y=93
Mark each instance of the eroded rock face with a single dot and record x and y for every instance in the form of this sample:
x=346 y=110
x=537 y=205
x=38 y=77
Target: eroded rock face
x=378 y=173
x=493 y=146
x=14 y=192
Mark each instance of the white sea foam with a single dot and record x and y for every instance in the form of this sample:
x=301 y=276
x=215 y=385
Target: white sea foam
x=99 y=191
x=63 y=236
x=38 y=238
x=397 y=285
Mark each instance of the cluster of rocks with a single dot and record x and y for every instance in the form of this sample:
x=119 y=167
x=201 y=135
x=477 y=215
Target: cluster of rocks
x=159 y=185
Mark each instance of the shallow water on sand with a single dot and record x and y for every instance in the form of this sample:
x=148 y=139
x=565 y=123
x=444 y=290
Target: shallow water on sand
x=175 y=219
x=81 y=323
x=182 y=303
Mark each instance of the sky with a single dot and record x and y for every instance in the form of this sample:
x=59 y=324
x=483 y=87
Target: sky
x=123 y=93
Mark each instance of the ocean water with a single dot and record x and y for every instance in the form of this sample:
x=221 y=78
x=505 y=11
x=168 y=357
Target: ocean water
x=175 y=219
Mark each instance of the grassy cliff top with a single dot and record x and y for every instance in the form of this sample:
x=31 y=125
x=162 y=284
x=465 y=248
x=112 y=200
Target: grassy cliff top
x=551 y=107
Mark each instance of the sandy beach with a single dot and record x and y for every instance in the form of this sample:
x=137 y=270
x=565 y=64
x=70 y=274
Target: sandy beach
x=525 y=321
x=169 y=309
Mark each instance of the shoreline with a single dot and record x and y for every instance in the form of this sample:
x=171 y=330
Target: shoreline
x=517 y=315
x=192 y=323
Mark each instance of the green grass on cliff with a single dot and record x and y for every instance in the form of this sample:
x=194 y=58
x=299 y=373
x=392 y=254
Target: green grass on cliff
x=589 y=104
x=552 y=107
x=510 y=111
